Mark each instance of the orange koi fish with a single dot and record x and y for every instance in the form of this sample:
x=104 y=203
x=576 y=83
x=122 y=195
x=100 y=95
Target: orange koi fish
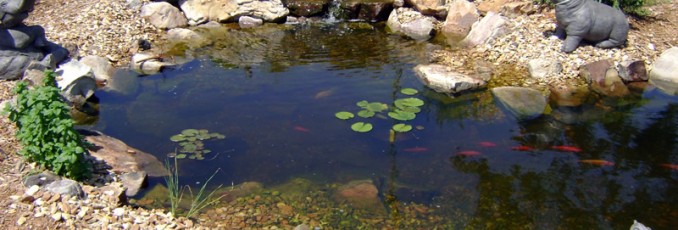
x=301 y=129
x=324 y=94
x=566 y=148
x=487 y=144
x=415 y=150
x=670 y=166
x=522 y=148
x=468 y=153
x=597 y=162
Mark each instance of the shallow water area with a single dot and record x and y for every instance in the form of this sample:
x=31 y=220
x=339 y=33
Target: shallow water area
x=273 y=93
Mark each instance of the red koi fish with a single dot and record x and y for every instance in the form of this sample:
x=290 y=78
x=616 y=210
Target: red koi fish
x=415 y=150
x=670 y=166
x=468 y=153
x=566 y=148
x=487 y=144
x=597 y=162
x=301 y=129
x=522 y=148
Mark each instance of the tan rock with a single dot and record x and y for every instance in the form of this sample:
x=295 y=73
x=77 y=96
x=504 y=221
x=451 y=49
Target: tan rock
x=116 y=154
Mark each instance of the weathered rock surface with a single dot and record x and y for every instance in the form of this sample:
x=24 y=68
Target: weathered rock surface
x=632 y=71
x=40 y=179
x=544 y=68
x=369 y=10
x=148 y=63
x=101 y=67
x=486 y=30
x=410 y=23
x=13 y=12
x=664 y=73
x=133 y=182
x=434 y=8
x=460 y=17
x=442 y=79
x=66 y=187
x=524 y=103
x=76 y=82
x=307 y=8
x=200 y=11
x=249 y=22
x=603 y=78
x=163 y=15
x=123 y=158
x=565 y=94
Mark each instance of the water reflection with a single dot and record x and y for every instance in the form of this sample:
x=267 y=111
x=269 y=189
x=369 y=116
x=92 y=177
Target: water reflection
x=260 y=88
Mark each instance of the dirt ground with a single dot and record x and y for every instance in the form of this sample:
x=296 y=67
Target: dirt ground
x=660 y=27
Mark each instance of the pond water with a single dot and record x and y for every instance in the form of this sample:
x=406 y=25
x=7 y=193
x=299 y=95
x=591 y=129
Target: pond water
x=274 y=98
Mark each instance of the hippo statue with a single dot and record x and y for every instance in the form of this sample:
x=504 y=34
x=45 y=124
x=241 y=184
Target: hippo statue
x=591 y=21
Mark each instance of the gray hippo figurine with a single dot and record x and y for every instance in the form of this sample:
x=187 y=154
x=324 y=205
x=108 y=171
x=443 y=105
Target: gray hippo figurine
x=591 y=21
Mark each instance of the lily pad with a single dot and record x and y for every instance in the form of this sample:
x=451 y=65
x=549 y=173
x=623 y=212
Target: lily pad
x=402 y=127
x=376 y=107
x=181 y=156
x=189 y=132
x=402 y=115
x=409 y=102
x=192 y=157
x=344 y=115
x=365 y=113
x=361 y=127
x=362 y=104
x=177 y=138
x=410 y=109
x=409 y=91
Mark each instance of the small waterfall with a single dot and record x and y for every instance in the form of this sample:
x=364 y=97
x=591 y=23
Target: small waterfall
x=333 y=12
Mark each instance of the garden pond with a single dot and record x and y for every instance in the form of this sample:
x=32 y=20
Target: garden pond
x=264 y=103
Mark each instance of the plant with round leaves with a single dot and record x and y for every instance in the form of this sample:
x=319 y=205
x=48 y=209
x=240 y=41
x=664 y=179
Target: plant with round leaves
x=361 y=127
x=344 y=115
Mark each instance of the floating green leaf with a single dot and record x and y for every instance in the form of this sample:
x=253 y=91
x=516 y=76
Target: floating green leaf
x=344 y=115
x=361 y=127
x=365 y=113
x=410 y=109
x=376 y=107
x=402 y=127
x=189 y=132
x=181 y=156
x=401 y=115
x=409 y=102
x=409 y=91
x=177 y=138
x=362 y=104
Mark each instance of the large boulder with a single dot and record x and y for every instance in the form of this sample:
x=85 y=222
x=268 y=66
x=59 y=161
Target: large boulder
x=460 y=17
x=524 y=103
x=442 y=79
x=163 y=15
x=410 y=23
x=13 y=63
x=121 y=157
x=434 y=8
x=76 y=82
x=201 y=11
x=486 y=30
x=664 y=73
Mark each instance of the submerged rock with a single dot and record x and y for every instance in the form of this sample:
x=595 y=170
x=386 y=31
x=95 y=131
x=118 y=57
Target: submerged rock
x=359 y=193
x=524 y=103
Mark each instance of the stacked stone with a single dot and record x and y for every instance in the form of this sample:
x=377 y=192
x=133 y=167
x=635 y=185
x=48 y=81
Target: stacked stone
x=22 y=46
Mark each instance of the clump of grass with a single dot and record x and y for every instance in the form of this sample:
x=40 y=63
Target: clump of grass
x=176 y=192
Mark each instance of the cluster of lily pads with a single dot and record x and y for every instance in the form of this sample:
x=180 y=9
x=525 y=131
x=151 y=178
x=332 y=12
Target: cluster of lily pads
x=191 y=144
x=404 y=109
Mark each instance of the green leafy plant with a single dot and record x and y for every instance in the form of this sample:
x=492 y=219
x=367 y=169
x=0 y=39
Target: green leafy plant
x=45 y=129
x=199 y=201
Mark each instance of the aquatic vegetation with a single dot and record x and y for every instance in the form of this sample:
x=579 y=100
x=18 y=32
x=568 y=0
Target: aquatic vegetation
x=361 y=127
x=176 y=192
x=191 y=143
x=344 y=115
x=404 y=109
x=402 y=127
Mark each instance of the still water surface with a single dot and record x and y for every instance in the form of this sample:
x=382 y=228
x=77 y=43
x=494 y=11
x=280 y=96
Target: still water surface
x=275 y=102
